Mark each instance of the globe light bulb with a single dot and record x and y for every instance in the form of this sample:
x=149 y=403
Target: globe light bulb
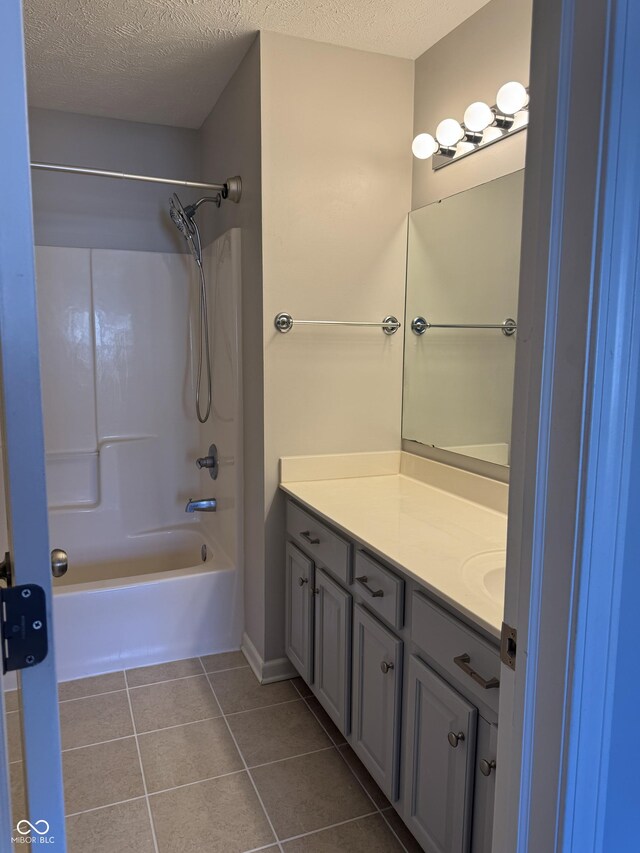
x=478 y=116
x=520 y=119
x=511 y=98
x=424 y=146
x=464 y=148
x=449 y=132
x=490 y=134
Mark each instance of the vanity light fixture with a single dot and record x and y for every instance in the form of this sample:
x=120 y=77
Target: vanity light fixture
x=482 y=125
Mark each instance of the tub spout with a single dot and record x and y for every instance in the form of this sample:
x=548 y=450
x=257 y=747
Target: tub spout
x=202 y=505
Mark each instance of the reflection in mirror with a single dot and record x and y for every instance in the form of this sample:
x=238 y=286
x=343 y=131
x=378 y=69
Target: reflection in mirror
x=462 y=269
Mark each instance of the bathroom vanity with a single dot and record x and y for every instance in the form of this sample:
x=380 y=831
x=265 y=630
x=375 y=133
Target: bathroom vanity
x=394 y=589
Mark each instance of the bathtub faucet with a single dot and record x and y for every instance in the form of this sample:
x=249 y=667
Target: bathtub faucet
x=202 y=505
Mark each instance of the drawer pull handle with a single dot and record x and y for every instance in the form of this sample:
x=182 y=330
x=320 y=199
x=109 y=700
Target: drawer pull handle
x=487 y=766
x=463 y=662
x=312 y=540
x=302 y=581
x=385 y=667
x=454 y=739
x=374 y=593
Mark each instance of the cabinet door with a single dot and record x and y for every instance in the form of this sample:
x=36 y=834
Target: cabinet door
x=440 y=752
x=377 y=683
x=332 y=658
x=299 y=612
x=485 y=787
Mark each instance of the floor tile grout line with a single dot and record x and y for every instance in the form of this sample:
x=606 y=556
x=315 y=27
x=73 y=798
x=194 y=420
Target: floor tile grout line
x=92 y=696
x=375 y=805
x=251 y=779
x=262 y=707
x=291 y=757
x=141 y=734
x=132 y=686
x=106 y=806
x=392 y=830
x=144 y=780
x=148 y=684
x=212 y=778
x=197 y=782
x=329 y=826
x=324 y=728
x=167 y=681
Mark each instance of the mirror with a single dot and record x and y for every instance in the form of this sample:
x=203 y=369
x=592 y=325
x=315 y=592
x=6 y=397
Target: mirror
x=462 y=269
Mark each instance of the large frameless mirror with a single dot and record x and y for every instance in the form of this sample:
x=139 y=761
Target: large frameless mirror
x=460 y=330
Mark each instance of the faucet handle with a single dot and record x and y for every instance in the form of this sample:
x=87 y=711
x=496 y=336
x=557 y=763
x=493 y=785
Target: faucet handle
x=209 y=462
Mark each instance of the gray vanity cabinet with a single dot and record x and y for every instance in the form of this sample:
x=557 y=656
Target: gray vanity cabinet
x=377 y=685
x=440 y=752
x=299 y=611
x=485 y=787
x=413 y=688
x=332 y=658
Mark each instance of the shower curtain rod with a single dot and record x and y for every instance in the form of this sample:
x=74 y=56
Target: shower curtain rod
x=103 y=173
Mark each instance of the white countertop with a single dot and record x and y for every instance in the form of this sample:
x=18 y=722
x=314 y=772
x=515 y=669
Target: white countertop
x=440 y=539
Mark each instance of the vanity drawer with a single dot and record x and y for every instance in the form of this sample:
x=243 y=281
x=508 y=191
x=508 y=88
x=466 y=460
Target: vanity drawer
x=326 y=547
x=380 y=588
x=462 y=654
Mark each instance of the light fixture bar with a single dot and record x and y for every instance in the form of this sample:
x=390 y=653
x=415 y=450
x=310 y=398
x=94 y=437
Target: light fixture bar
x=439 y=161
x=482 y=127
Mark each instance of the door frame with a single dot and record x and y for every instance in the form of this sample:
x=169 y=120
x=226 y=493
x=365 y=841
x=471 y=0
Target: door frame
x=572 y=537
x=23 y=433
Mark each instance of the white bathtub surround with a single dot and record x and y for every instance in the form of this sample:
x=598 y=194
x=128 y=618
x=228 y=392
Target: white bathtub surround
x=118 y=347
x=444 y=527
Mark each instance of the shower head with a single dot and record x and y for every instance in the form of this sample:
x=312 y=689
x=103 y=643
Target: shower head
x=183 y=220
x=180 y=217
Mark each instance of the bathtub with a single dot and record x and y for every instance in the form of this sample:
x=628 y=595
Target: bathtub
x=160 y=596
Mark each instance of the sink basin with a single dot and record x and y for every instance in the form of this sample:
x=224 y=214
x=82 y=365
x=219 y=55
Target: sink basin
x=484 y=574
x=493 y=582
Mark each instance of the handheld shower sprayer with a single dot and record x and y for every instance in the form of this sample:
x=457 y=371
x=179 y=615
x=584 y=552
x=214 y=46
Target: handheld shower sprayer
x=183 y=218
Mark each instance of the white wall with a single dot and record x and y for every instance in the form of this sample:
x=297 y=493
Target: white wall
x=336 y=169
x=231 y=146
x=470 y=64
x=104 y=213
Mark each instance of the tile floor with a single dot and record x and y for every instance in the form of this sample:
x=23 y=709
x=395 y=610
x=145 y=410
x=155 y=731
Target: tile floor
x=196 y=755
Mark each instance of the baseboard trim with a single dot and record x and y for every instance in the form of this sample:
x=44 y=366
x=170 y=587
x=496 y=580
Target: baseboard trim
x=279 y=669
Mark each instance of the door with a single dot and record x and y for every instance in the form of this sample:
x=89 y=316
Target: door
x=23 y=448
x=332 y=652
x=440 y=752
x=377 y=684
x=299 y=611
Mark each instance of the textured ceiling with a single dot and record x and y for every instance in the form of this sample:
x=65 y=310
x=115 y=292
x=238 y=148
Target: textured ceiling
x=167 y=61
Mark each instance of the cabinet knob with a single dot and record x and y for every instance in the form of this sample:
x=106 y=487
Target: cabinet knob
x=385 y=667
x=487 y=766
x=302 y=581
x=454 y=739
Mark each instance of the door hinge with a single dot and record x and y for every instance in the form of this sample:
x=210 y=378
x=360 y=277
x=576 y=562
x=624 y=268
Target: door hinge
x=6 y=573
x=508 y=645
x=23 y=626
